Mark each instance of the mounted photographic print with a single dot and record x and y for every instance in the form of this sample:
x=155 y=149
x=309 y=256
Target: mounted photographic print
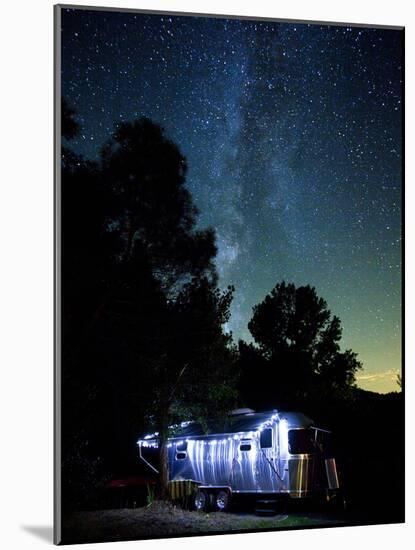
x=228 y=275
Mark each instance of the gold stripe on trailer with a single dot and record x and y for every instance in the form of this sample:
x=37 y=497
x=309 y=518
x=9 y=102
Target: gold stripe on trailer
x=181 y=488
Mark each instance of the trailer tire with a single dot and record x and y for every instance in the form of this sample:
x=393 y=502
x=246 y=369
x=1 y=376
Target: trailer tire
x=341 y=502
x=337 y=502
x=222 y=500
x=201 y=501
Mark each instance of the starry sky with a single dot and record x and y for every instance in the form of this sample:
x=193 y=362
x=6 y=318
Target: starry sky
x=293 y=137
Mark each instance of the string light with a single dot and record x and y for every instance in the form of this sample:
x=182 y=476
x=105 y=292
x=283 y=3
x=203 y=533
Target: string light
x=237 y=436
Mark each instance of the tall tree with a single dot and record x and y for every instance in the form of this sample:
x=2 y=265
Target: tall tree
x=193 y=375
x=154 y=215
x=85 y=266
x=154 y=220
x=297 y=346
x=142 y=316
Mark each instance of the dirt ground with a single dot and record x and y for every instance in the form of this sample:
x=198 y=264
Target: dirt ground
x=164 y=520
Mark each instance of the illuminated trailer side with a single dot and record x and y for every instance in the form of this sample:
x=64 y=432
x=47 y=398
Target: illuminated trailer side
x=273 y=453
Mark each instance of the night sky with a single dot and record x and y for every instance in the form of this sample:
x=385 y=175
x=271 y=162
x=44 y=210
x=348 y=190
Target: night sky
x=292 y=133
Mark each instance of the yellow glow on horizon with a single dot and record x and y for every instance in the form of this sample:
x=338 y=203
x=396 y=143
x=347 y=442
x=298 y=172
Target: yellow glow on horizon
x=380 y=382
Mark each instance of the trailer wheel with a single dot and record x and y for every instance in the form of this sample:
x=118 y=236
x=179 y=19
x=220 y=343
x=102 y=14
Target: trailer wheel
x=340 y=502
x=337 y=502
x=201 y=501
x=222 y=501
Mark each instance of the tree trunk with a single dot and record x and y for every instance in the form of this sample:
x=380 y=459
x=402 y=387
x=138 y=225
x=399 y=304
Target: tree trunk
x=163 y=440
x=164 y=471
x=163 y=458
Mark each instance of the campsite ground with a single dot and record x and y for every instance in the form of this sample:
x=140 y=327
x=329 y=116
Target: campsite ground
x=164 y=520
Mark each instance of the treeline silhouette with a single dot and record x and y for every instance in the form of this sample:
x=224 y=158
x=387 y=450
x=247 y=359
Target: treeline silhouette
x=143 y=339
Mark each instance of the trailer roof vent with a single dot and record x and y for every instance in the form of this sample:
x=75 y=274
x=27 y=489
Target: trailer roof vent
x=237 y=412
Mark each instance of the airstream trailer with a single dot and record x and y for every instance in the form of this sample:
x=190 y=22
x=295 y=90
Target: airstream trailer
x=268 y=454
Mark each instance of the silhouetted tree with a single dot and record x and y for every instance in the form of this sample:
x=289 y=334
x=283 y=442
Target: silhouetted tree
x=85 y=268
x=297 y=347
x=153 y=220
x=154 y=215
x=192 y=376
x=142 y=317
x=399 y=381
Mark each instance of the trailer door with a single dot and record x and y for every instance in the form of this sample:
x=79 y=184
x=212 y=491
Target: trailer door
x=267 y=477
x=244 y=466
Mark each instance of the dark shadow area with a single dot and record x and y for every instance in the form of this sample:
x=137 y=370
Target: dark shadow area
x=43 y=532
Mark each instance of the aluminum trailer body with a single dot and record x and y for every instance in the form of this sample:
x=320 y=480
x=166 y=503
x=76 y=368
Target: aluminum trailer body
x=278 y=453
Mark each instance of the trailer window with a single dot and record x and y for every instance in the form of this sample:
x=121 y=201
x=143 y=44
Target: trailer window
x=265 y=438
x=301 y=441
x=245 y=446
x=181 y=450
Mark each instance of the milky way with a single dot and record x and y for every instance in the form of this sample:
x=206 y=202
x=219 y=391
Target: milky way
x=292 y=133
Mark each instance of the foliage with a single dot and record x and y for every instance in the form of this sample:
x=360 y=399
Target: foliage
x=153 y=215
x=297 y=347
x=399 y=380
x=142 y=317
x=150 y=494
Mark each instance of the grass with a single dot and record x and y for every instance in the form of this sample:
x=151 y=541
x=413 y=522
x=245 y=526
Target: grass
x=297 y=520
x=160 y=520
